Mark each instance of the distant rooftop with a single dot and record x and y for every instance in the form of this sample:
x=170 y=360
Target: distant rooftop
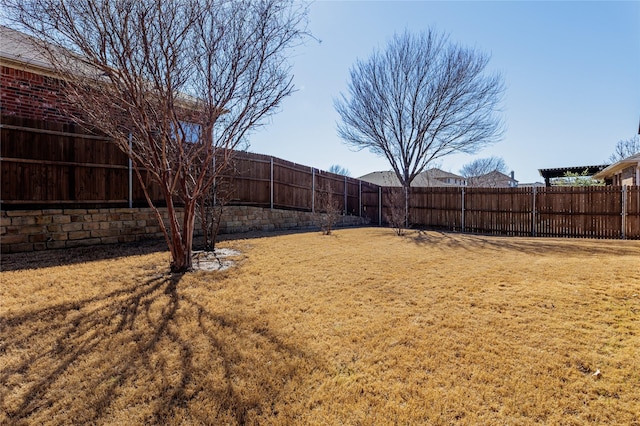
x=494 y=179
x=429 y=178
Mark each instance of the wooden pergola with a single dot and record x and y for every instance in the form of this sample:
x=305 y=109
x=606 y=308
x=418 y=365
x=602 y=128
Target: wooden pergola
x=559 y=172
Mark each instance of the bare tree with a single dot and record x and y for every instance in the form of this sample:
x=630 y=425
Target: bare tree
x=420 y=99
x=329 y=208
x=396 y=215
x=625 y=148
x=172 y=82
x=213 y=203
x=481 y=167
x=339 y=170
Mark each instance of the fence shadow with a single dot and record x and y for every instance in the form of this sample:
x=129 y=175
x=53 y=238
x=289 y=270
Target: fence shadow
x=148 y=349
x=527 y=245
x=75 y=255
x=71 y=256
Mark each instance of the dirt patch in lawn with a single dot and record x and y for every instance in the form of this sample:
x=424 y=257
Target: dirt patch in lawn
x=219 y=259
x=361 y=327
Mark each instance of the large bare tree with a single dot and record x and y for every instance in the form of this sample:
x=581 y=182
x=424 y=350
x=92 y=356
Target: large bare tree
x=173 y=82
x=421 y=98
x=625 y=148
x=476 y=169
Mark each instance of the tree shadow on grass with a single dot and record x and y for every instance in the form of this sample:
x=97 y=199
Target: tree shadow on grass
x=143 y=354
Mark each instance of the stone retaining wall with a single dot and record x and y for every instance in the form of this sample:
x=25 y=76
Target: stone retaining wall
x=29 y=230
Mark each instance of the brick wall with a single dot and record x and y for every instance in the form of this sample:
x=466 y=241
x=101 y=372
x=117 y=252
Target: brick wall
x=29 y=230
x=28 y=95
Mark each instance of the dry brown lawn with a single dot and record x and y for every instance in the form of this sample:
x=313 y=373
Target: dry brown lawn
x=359 y=328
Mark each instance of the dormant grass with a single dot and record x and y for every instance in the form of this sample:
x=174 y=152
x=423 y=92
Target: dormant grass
x=361 y=327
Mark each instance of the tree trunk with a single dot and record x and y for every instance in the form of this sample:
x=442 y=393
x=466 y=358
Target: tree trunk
x=176 y=246
x=188 y=226
x=406 y=206
x=182 y=250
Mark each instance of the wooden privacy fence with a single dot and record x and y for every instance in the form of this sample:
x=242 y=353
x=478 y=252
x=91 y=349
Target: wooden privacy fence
x=46 y=164
x=586 y=212
x=265 y=181
x=49 y=164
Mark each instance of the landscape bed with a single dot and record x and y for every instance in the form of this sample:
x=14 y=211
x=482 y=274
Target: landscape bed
x=359 y=327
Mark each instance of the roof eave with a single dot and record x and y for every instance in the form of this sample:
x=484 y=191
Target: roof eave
x=613 y=169
x=21 y=63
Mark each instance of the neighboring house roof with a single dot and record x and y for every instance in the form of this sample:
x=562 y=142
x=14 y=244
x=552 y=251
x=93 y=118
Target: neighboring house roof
x=493 y=179
x=428 y=178
x=440 y=174
x=386 y=178
x=615 y=168
x=438 y=177
x=531 y=185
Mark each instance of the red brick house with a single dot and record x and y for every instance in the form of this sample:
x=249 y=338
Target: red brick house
x=46 y=159
x=28 y=87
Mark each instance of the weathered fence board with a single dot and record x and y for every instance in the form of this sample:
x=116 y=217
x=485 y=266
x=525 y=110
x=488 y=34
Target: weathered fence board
x=251 y=178
x=632 y=213
x=503 y=211
x=291 y=185
x=370 y=202
x=579 y=212
x=440 y=208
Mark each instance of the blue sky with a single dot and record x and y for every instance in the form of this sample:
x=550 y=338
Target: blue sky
x=571 y=71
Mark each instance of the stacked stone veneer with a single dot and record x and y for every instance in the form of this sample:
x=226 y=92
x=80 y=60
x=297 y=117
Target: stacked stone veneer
x=29 y=230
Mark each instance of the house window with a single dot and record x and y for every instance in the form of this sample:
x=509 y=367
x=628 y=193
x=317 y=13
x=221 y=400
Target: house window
x=191 y=131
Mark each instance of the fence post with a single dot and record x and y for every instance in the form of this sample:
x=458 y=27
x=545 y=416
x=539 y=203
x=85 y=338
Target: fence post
x=130 y=171
x=213 y=185
x=406 y=207
x=624 y=212
x=379 y=206
x=462 y=218
x=359 y=198
x=533 y=213
x=313 y=190
x=345 y=195
x=271 y=185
